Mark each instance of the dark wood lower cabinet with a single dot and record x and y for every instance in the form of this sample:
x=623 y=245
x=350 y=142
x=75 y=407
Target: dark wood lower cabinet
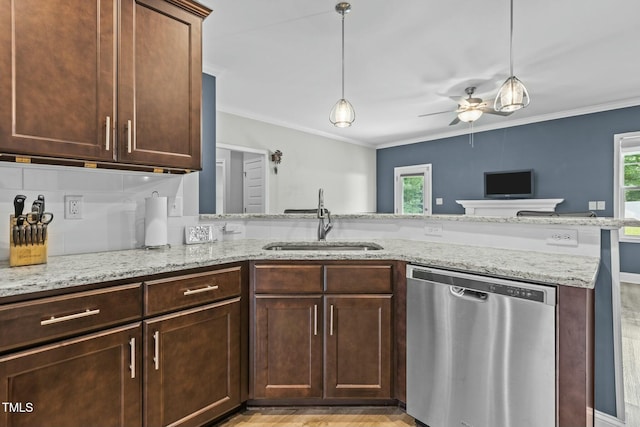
x=94 y=380
x=192 y=365
x=358 y=347
x=288 y=347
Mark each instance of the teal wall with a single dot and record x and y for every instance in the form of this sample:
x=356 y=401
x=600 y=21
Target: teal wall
x=207 y=180
x=572 y=159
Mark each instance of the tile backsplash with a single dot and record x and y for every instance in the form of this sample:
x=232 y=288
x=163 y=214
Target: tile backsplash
x=113 y=205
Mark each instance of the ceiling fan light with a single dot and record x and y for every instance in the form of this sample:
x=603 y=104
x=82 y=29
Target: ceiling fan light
x=470 y=115
x=342 y=114
x=512 y=96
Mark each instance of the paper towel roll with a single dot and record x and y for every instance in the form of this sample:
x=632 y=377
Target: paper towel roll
x=155 y=221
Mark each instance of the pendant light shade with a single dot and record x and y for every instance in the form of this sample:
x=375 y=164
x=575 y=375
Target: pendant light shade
x=512 y=95
x=342 y=114
x=470 y=115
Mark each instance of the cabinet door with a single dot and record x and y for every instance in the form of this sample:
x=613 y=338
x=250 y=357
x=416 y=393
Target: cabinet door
x=93 y=380
x=58 y=78
x=192 y=365
x=288 y=347
x=358 y=347
x=160 y=85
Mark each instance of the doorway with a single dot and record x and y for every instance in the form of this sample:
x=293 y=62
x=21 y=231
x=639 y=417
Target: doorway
x=244 y=186
x=412 y=190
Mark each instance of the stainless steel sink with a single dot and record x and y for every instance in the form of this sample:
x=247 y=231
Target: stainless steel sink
x=322 y=246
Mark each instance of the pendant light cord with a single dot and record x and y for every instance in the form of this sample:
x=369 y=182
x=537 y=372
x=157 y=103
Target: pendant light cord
x=510 y=42
x=342 y=13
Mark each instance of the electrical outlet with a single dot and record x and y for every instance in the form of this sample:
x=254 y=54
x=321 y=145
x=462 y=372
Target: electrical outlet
x=439 y=201
x=562 y=237
x=175 y=206
x=73 y=207
x=593 y=205
x=433 y=229
x=600 y=205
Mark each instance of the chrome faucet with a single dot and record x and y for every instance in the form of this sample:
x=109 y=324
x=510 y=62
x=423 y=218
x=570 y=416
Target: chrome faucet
x=323 y=229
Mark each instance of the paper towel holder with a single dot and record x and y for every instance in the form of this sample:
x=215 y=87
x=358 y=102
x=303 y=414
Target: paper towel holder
x=154 y=194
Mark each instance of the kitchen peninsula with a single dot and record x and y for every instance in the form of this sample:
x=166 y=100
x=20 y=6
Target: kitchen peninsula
x=220 y=277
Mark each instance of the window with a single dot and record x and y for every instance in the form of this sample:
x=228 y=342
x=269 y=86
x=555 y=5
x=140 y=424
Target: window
x=627 y=182
x=412 y=190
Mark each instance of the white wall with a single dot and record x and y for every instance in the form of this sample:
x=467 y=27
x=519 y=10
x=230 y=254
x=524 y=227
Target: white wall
x=347 y=172
x=113 y=205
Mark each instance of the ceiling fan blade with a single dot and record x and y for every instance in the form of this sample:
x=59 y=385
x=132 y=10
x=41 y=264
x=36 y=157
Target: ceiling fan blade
x=433 y=114
x=454 y=121
x=462 y=102
x=490 y=110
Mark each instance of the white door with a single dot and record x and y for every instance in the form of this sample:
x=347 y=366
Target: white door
x=412 y=190
x=253 y=185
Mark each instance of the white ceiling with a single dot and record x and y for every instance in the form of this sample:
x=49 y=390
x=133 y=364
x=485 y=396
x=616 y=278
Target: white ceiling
x=279 y=61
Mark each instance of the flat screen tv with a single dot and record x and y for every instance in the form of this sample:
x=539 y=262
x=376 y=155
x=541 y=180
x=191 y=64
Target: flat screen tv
x=508 y=184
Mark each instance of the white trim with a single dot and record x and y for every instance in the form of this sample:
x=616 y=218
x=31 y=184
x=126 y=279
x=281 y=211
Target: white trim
x=288 y=125
x=617 y=322
x=425 y=170
x=606 y=420
x=632 y=102
x=618 y=140
x=630 y=277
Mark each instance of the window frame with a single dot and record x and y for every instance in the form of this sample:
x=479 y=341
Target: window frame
x=413 y=170
x=624 y=144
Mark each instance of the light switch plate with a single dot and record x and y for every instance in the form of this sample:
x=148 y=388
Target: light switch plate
x=198 y=234
x=600 y=205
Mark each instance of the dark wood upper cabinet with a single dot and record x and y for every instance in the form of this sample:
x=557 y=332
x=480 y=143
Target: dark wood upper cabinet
x=57 y=86
x=110 y=82
x=160 y=85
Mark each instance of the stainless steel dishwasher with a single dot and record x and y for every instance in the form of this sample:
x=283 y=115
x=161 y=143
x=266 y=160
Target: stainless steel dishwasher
x=480 y=350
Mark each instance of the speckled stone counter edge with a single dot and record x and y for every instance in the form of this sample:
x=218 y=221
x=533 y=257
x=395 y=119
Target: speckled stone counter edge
x=74 y=270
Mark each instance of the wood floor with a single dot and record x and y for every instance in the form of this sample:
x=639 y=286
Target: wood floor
x=630 y=301
x=321 y=417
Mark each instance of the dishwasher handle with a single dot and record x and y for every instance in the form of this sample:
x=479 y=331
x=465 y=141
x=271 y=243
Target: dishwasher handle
x=469 y=294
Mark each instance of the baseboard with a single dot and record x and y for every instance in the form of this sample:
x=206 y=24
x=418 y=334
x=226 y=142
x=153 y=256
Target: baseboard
x=630 y=277
x=606 y=420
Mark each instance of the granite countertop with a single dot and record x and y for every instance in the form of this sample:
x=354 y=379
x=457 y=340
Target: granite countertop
x=74 y=270
x=599 y=222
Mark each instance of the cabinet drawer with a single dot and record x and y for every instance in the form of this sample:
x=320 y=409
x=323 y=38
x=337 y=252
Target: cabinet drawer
x=56 y=317
x=287 y=279
x=359 y=279
x=174 y=293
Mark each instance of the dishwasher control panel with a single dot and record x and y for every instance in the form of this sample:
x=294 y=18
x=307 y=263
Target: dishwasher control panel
x=482 y=284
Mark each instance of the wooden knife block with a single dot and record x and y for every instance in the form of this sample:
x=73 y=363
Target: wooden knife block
x=25 y=254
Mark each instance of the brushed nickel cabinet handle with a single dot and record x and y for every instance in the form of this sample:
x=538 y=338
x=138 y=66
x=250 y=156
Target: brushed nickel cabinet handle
x=197 y=291
x=331 y=321
x=54 y=319
x=156 y=349
x=108 y=134
x=128 y=136
x=315 y=319
x=132 y=366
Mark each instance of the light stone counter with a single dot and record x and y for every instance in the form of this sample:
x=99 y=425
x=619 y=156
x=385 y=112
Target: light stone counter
x=75 y=270
x=598 y=222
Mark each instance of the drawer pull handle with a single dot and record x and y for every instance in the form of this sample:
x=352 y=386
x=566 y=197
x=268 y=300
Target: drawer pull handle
x=156 y=349
x=54 y=319
x=197 y=291
x=132 y=366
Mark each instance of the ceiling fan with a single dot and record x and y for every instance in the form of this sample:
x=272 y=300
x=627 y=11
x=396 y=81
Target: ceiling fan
x=470 y=109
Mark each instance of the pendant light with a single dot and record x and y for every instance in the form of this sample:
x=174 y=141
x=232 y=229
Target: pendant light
x=342 y=114
x=512 y=95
